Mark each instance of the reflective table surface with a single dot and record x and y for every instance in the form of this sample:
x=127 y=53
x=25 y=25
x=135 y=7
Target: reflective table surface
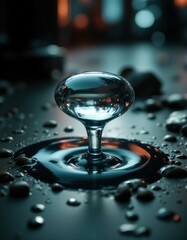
x=28 y=106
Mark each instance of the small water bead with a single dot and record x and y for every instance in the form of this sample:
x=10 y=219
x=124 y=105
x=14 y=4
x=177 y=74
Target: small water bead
x=68 y=129
x=134 y=230
x=131 y=216
x=176 y=151
x=170 y=138
x=57 y=187
x=7 y=139
x=181 y=156
x=151 y=116
x=6 y=177
x=176 y=120
x=172 y=171
x=141 y=79
x=183 y=130
x=125 y=71
x=53 y=161
x=167 y=214
x=18 y=131
x=144 y=132
x=6 y=153
x=36 y=222
x=123 y=193
x=135 y=183
x=19 y=189
x=39 y=207
x=177 y=101
x=153 y=104
x=144 y=194
x=142 y=231
x=46 y=106
x=156 y=188
x=22 y=160
x=127 y=228
x=73 y=202
x=50 y=124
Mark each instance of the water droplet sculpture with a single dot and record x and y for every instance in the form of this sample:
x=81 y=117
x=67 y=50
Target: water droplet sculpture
x=94 y=98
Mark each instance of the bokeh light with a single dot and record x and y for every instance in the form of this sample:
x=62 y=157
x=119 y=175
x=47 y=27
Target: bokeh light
x=144 y=19
x=158 y=38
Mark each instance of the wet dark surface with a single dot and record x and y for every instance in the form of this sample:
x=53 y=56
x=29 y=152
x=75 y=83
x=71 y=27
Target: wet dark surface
x=93 y=214
x=60 y=160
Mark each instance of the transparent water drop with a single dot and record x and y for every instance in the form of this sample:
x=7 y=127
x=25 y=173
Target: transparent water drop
x=94 y=98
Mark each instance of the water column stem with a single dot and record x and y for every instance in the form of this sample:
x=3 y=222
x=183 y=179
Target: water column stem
x=94 y=152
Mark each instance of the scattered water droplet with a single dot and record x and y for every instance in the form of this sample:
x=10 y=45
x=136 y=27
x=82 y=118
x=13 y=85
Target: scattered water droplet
x=18 y=131
x=167 y=214
x=50 y=124
x=144 y=194
x=22 y=160
x=19 y=189
x=7 y=139
x=141 y=79
x=73 y=202
x=57 y=187
x=132 y=216
x=135 y=183
x=48 y=201
x=151 y=116
x=156 y=188
x=144 y=132
x=5 y=153
x=68 y=129
x=53 y=161
x=170 y=138
x=153 y=104
x=176 y=151
x=183 y=130
x=46 y=106
x=134 y=230
x=126 y=71
x=36 y=222
x=181 y=156
x=6 y=177
x=38 y=207
x=176 y=101
x=142 y=231
x=172 y=171
x=123 y=192
x=176 y=121
x=127 y=228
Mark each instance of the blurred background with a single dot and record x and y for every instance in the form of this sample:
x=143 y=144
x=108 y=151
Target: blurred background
x=35 y=31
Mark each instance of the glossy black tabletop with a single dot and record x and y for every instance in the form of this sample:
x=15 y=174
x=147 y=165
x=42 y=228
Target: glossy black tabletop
x=29 y=105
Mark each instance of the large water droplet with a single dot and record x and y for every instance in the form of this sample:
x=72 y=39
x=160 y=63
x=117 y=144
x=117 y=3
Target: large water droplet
x=94 y=96
x=19 y=189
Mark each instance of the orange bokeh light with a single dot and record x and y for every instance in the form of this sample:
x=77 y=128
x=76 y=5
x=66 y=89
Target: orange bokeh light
x=180 y=3
x=81 y=21
x=63 y=12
